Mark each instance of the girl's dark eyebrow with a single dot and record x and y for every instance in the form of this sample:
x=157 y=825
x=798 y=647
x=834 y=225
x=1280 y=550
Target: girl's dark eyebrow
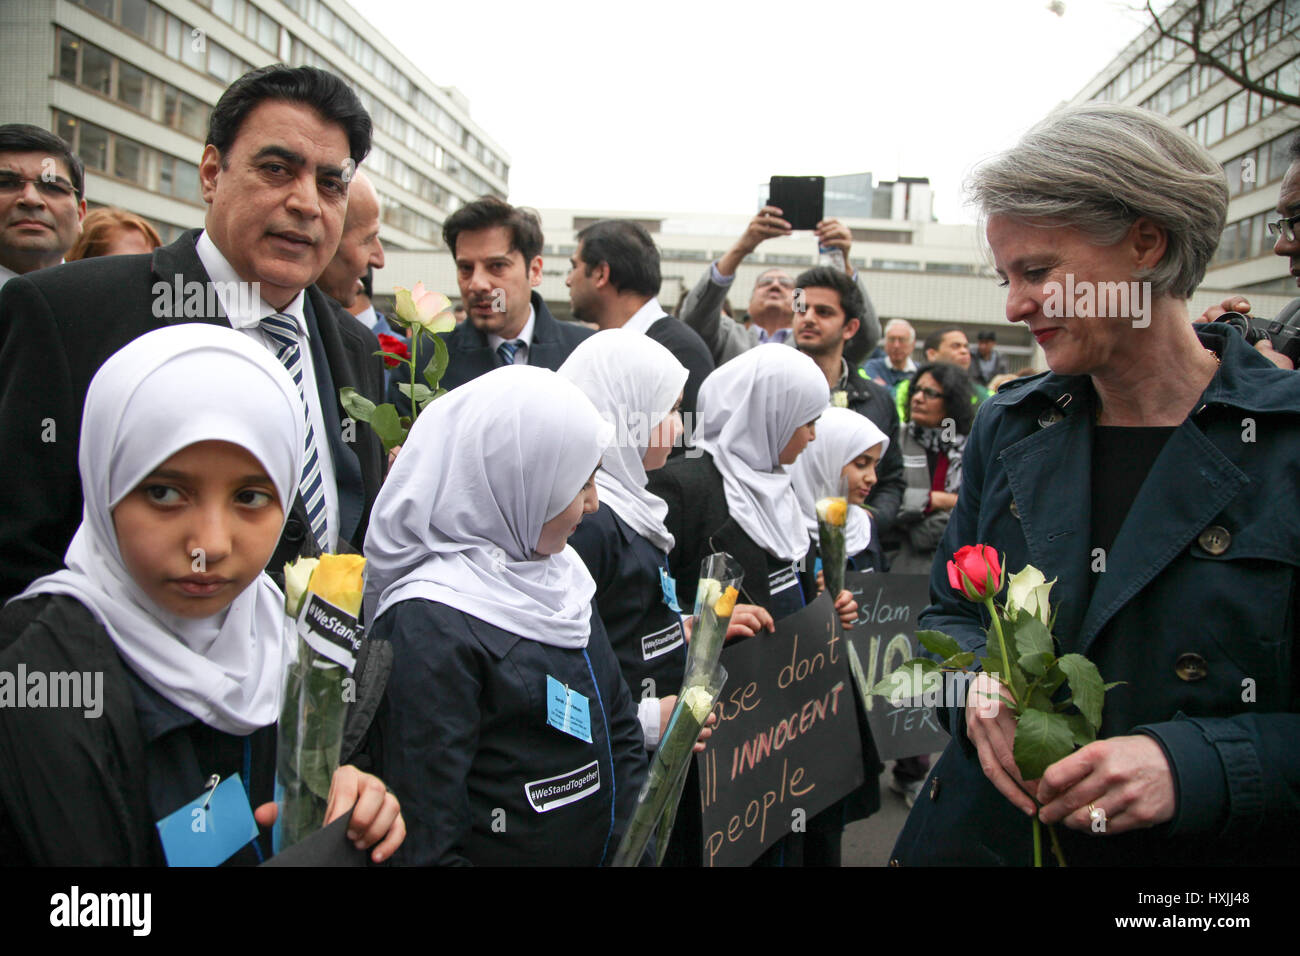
x=174 y=475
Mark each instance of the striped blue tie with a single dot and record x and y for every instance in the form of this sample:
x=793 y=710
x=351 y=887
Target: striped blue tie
x=283 y=331
x=508 y=349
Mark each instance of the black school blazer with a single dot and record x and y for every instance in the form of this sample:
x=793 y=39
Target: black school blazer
x=699 y=520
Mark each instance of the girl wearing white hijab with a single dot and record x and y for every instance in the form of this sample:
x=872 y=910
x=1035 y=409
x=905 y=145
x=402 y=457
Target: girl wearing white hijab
x=191 y=446
x=636 y=385
x=847 y=450
x=757 y=413
x=506 y=726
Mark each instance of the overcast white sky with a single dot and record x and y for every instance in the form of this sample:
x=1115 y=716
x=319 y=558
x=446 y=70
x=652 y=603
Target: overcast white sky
x=687 y=105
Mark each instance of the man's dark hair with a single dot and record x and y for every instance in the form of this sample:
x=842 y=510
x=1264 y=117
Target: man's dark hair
x=487 y=212
x=1293 y=151
x=324 y=92
x=632 y=255
x=824 y=277
x=25 y=138
x=935 y=338
x=851 y=301
x=958 y=395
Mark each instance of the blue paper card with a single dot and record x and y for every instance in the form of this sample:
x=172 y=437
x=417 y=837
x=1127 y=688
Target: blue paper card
x=199 y=836
x=670 y=589
x=567 y=710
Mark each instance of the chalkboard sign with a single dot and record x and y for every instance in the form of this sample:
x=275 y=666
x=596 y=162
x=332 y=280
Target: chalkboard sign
x=787 y=744
x=881 y=639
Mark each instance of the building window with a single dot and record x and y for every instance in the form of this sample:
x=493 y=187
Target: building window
x=105 y=74
x=122 y=158
x=172 y=36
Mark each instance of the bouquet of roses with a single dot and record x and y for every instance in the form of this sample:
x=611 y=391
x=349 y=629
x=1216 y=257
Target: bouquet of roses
x=1020 y=652
x=427 y=315
x=322 y=601
x=656 y=804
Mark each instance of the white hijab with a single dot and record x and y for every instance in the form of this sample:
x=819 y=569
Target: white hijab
x=634 y=382
x=748 y=411
x=460 y=514
x=842 y=435
x=156 y=396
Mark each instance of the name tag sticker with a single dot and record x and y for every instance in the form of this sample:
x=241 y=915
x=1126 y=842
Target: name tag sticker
x=196 y=835
x=567 y=710
x=669 y=587
x=661 y=642
x=782 y=579
x=568 y=787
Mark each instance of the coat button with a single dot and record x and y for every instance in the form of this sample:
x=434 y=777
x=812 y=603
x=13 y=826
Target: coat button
x=294 y=530
x=1050 y=416
x=1015 y=512
x=1214 y=539
x=934 y=789
x=1191 y=667
x=894 y=862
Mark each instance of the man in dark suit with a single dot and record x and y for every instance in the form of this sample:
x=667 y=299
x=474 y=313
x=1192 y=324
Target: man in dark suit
x=274 y=175
x=614 y=281
x=498 y=253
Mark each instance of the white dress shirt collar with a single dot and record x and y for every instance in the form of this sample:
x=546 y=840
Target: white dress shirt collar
x=526 y=333
x=646 y=316
x=242 y=309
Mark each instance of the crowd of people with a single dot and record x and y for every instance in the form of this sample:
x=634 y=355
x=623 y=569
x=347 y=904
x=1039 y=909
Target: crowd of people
x=176 y=438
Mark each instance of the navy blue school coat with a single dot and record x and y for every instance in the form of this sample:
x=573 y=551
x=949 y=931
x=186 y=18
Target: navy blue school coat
x=1196 y=611
x=462 y=737
x=645 y=633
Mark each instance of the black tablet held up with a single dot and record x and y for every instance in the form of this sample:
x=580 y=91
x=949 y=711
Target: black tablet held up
x=800 y=199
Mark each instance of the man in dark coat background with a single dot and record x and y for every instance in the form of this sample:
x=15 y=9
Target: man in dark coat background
x=498 y=253
x=274 y=173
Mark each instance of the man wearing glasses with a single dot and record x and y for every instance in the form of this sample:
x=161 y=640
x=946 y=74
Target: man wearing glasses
x=1286 y=233
x=41 y=199
x=772 y=305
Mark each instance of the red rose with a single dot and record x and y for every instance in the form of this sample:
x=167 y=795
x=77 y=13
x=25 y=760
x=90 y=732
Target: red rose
x=391 y=343
x=976 y=571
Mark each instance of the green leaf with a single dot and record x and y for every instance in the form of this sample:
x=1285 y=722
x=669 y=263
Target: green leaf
x=907 y=681
x=1086 y=689
x=388 y=426
x=1035 y=665
x=1041 y=740
x=1114 y=683
x=960 y=661
x=433 y=372
x=1053 y=679
x=417 y=393
x=1032 y=638
x=1039 y=699
x=393 y=355
x=938 y=643
x=1080 y=729
x=356 y=405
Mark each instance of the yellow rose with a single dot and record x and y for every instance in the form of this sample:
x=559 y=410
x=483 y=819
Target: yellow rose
x=340 y=579
x=833 y=511
x=727 y=603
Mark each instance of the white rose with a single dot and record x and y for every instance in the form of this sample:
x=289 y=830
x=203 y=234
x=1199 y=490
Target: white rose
x=699 y=701
x=1028 y=590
